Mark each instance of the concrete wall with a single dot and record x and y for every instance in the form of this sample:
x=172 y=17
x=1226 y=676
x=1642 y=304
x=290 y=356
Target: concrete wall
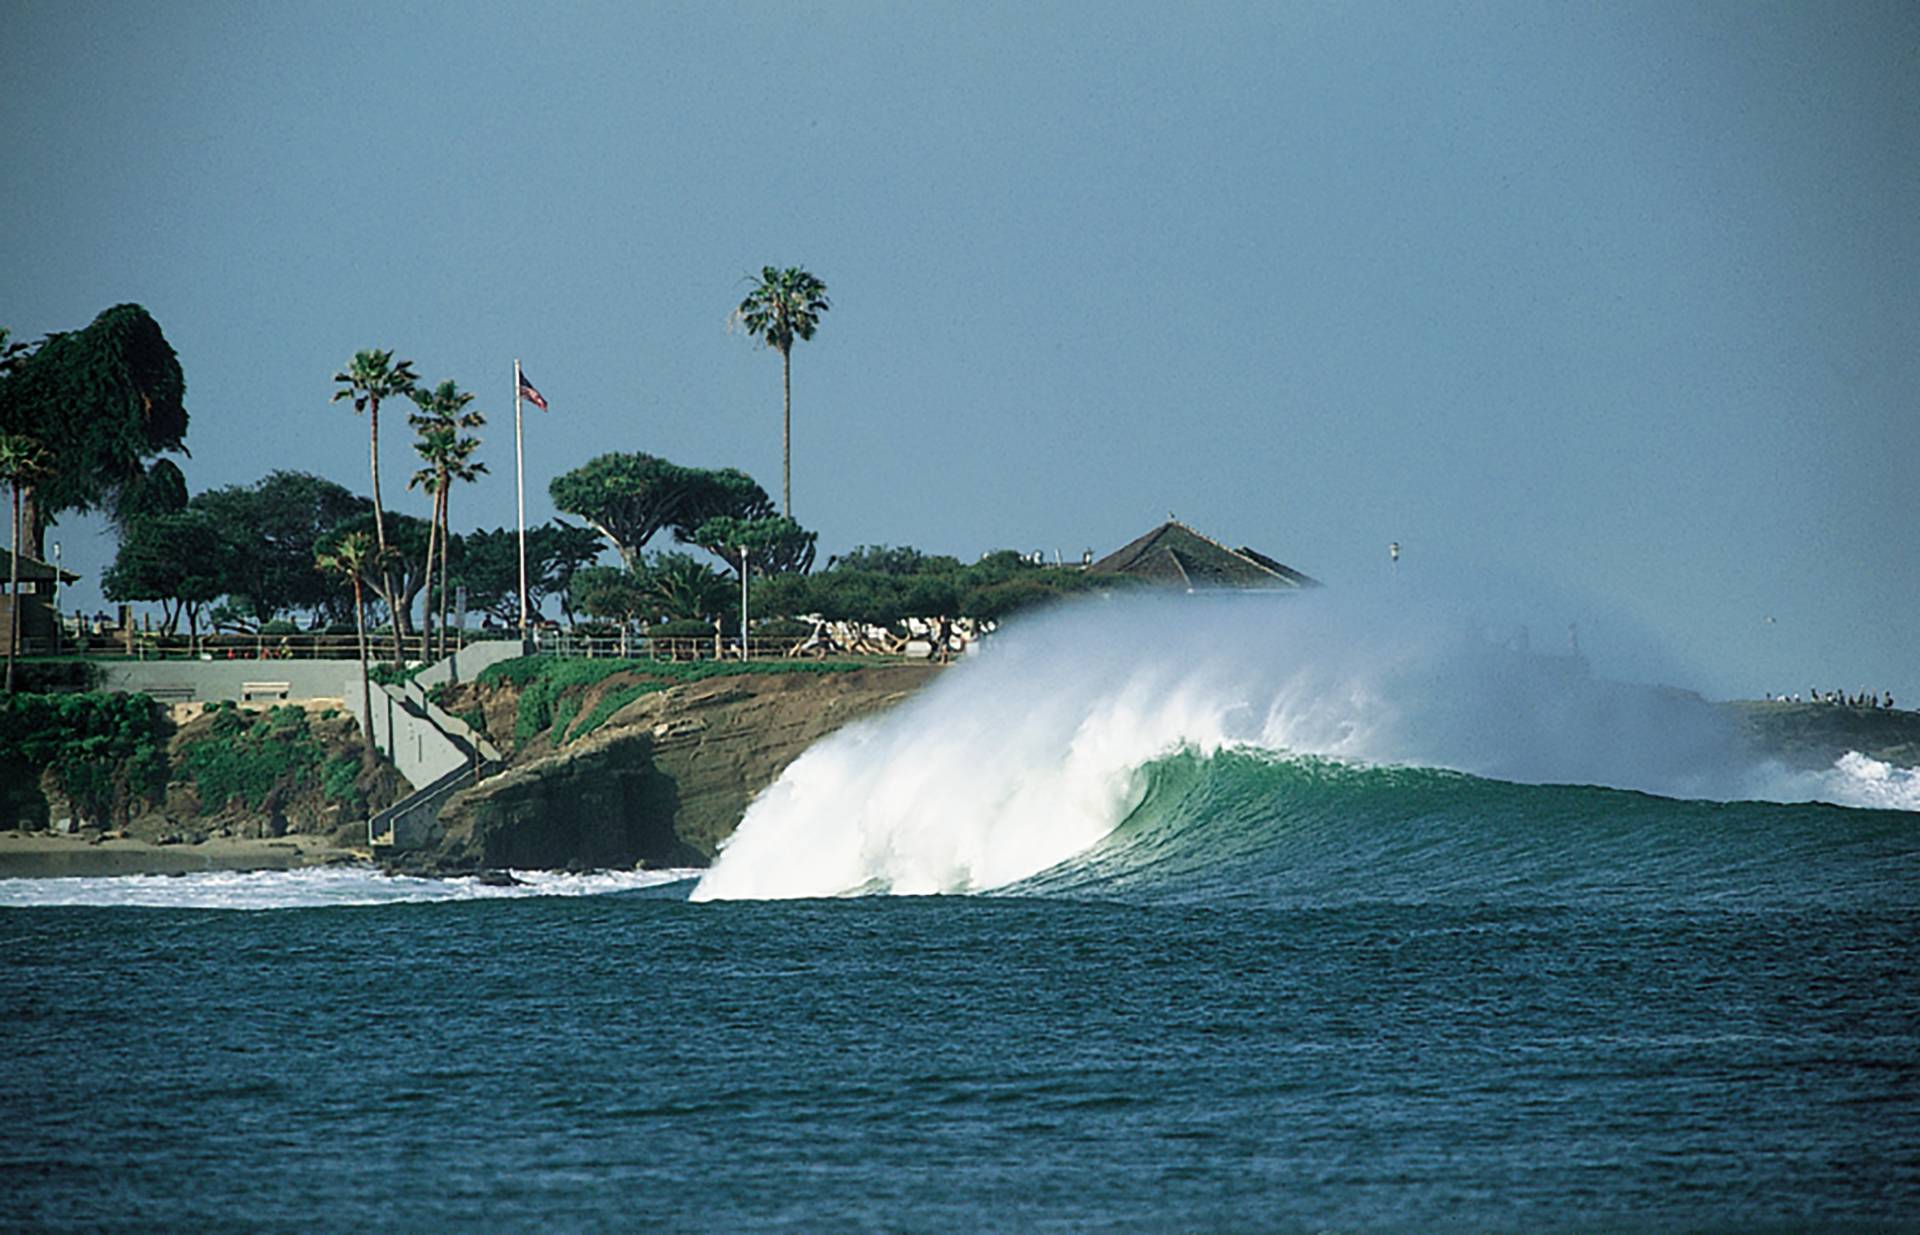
x=421 y=740
x=466 y=664
x=180 y=681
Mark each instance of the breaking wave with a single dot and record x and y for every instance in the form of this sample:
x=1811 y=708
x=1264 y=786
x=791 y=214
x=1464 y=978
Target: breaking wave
x=1299 y=716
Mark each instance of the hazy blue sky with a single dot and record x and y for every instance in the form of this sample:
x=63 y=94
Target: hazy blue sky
x=1620 y=298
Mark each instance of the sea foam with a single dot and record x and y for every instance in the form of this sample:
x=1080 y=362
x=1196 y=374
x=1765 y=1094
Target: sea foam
x=311 y=887
x=1853 y=780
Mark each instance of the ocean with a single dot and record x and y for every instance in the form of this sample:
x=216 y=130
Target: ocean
x=1184 y=951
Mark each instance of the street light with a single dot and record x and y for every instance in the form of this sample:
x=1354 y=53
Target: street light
x=743 y=602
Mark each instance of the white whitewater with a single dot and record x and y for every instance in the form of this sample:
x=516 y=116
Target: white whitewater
x=1853 y=780
x=311 y=888
x=1031 y=752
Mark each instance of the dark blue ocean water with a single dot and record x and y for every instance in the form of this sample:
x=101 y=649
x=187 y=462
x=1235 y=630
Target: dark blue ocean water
x=1604 y=1012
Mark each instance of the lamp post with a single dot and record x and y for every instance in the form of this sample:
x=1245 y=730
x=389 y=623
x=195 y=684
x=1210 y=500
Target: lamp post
x=743 y=602
x=56 y=598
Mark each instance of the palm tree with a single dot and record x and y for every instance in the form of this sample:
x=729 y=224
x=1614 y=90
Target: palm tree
x=432 y=447
x=370 y=377
x=442 y=413
x=461 y=466
x=350 y=557
x=22 y=461
x=783 y=306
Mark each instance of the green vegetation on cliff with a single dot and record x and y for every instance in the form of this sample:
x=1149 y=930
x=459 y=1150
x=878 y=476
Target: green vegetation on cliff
x=116 y=759
x=553 y=690
x=103 y=751
x=248 y=757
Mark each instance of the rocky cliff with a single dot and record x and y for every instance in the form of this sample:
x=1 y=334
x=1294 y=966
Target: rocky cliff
x=662 y=781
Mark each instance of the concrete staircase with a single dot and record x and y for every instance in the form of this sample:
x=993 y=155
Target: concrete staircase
x=439 y=754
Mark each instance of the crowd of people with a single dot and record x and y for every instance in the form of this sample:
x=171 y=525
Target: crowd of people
x=1838 y=698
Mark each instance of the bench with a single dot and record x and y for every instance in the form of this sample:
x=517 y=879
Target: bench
x=252 y=691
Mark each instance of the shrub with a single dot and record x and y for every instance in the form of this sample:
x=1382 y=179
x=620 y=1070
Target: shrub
x=387 y=674
x=535 y=711
x=339 y=782
x=104 y=750
x=45 y=677
x=249 y=755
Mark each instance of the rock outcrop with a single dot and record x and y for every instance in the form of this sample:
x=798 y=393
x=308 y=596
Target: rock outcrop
x=664 y=781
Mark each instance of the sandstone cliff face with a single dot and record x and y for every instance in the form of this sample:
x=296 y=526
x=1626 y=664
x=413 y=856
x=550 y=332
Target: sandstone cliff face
x=665 y=781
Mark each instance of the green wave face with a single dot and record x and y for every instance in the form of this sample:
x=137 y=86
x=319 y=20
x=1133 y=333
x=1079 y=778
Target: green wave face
x=1043 y=765
x=1246 y=826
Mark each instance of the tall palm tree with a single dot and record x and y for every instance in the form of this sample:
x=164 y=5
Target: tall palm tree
x=783 y=306
x=441 y=413
x=22 y=461
x=350 y=558
x=370 y=377
x=461 y=466
x=431 y=479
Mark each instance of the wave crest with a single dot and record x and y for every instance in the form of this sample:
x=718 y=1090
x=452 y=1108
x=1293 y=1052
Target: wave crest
x=1031 y=754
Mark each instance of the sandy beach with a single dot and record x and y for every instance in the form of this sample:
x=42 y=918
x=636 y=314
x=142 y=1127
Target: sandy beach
x=41 y=855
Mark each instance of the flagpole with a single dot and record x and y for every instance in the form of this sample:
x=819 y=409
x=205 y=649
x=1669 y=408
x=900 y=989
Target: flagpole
x=520 y=493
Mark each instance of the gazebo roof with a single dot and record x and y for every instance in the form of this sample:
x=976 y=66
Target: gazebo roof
x=1174 y=555
x=31 y=570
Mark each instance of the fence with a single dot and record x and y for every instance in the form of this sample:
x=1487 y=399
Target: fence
x=660 y=647
x=123 y=644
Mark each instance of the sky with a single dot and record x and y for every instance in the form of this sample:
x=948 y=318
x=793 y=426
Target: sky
x=1621 y=301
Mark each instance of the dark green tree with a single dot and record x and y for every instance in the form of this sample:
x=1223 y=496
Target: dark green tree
x=769 y=545
x=627 y=498
x=564 y=550
x=176 y=559
x=713 y=493
x=610 y=594
x=489 y=566
x=161 y=490
x=893 y=560
x=783 y=306
x=100 y=401
x=405 y=562
x=678 y=586
x=271 y=531
x=11 y=352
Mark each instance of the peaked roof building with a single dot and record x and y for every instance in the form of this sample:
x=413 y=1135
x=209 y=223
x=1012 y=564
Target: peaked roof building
x=1174 y=555
x=32 y=570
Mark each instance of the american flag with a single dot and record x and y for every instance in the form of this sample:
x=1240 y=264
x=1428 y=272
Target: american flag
x=531 y=395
